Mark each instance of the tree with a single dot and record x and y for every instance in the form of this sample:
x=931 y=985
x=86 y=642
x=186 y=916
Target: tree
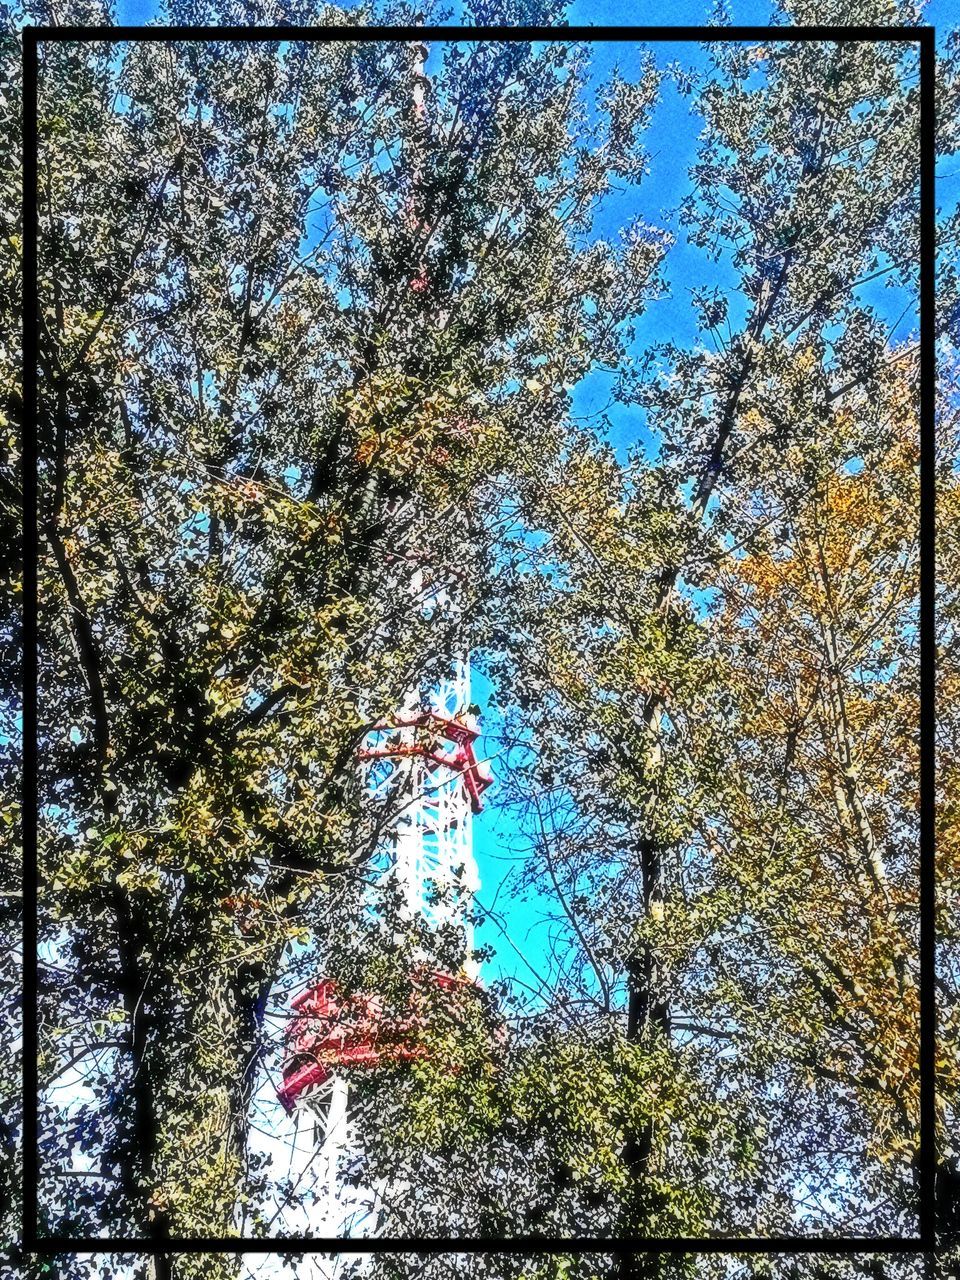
x=291 y=330
x=823 y=612
x=638 y=699
x=10 y=654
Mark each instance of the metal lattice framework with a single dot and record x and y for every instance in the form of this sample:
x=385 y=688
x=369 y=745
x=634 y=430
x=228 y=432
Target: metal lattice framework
x=424 y=763
x=421 y=766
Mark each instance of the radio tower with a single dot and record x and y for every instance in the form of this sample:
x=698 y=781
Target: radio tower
x=420 y=766
x=424 y=760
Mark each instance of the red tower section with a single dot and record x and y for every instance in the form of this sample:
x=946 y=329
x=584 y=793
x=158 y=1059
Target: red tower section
x=330 y=1031
x=434 y=727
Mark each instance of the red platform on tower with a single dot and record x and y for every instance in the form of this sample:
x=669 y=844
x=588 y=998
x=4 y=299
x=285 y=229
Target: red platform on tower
x=330 y=1031
x=476 y=777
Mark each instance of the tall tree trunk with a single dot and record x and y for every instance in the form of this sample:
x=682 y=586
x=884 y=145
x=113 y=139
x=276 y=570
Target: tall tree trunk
x=647 y=1017
x=139 y=1169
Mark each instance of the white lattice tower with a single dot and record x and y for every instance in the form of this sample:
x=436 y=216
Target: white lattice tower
x=427 y=857
x=426 y=861
x=419 y=769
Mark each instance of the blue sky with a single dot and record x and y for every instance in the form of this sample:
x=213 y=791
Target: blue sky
x=939 y=13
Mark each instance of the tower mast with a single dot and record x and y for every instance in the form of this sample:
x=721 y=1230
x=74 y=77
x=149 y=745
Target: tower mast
x=422 y=763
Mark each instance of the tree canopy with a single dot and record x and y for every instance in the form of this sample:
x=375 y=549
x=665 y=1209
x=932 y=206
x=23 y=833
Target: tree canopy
x=309 y=344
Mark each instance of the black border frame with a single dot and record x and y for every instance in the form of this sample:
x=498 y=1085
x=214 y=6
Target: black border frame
x=924 y=1244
